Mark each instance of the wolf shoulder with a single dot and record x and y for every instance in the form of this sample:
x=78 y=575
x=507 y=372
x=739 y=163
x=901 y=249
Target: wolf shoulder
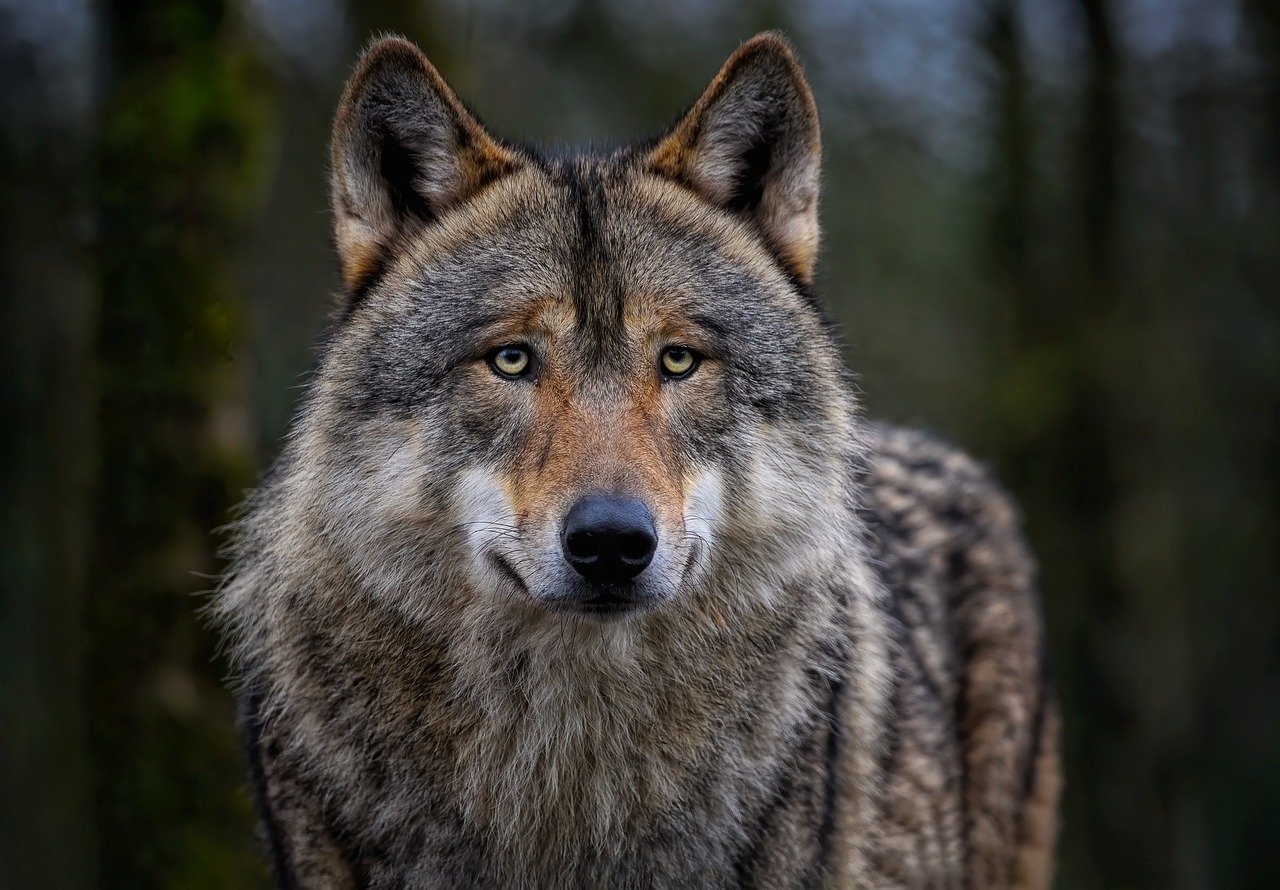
x=936 y=514
x=972 y=763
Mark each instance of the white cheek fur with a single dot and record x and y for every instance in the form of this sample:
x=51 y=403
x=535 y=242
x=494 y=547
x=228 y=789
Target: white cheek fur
x=703 y=506
x=482 y=508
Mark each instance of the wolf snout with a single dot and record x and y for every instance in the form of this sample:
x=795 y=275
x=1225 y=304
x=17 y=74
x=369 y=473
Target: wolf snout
x=609 y=538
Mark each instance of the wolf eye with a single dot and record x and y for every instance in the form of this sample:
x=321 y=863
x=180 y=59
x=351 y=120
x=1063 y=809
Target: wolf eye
x=511 y=361
x=678 y=361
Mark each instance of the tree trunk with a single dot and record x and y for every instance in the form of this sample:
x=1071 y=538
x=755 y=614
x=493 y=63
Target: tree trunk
x=47 y=302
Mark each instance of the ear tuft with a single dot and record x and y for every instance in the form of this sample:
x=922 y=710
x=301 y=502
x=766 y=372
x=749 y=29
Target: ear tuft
x=751 y=145
x=405 y=151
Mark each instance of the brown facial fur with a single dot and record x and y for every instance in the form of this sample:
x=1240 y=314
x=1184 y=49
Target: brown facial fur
x=573 y=449
x=576 y=444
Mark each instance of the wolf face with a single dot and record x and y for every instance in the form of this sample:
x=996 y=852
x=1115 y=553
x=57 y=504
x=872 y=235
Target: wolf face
x=568 y=384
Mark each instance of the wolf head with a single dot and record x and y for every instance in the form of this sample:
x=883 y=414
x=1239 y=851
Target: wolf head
x=593 y=385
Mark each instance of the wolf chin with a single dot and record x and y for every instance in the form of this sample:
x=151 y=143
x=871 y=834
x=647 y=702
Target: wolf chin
x=580 y=566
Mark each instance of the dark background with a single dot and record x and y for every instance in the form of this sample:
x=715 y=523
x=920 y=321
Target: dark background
x=1052 y=234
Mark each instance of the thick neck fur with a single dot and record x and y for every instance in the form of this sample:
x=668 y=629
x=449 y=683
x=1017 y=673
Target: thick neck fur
x=553 y=732
x=561 y=741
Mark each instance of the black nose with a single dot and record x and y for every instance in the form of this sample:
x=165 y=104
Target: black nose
x=609 y=538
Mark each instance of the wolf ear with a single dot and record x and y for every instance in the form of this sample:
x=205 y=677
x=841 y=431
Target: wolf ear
x=404 y=151
x=751 y=145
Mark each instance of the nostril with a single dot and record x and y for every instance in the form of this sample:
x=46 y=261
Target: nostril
x=609 y=538
x=637 y=546
x=581 y=545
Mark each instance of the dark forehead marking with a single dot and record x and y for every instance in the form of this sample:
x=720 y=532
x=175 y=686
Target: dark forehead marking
x=598 y=289
x=594 y=182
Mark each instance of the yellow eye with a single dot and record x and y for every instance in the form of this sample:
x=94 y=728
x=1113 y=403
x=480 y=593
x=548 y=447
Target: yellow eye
x=678 y=361
x=511 y=361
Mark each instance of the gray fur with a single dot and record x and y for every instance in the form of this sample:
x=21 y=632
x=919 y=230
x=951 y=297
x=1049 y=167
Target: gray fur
x=841 y=681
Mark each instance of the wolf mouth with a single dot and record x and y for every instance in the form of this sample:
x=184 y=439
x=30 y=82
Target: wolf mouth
x=608 y=602
x=604 y=602
x=604 y=605
x=508 y=571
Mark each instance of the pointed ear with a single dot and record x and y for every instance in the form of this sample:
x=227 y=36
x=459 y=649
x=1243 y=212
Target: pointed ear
x=751 y=145
x=404 y=152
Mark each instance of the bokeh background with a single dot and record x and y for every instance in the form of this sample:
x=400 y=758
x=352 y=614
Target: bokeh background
x=1052 y=235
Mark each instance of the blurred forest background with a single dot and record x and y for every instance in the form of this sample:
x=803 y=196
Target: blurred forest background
x=1052 y=234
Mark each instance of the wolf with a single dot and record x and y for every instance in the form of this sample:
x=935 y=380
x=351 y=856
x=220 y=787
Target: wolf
x=581 y=566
